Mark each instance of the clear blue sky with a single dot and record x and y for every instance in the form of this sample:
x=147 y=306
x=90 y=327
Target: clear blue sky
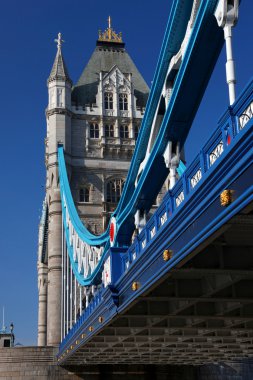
x=27 y=51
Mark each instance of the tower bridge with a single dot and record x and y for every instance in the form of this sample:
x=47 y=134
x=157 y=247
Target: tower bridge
x=153 y=266
x=182 y=292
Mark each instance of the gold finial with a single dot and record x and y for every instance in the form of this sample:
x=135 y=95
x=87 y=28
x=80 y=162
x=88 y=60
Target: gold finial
x=109 y=35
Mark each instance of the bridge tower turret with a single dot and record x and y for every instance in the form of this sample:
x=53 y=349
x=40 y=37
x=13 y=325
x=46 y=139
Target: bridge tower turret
x=59 y=104
x=97 y=121
x=58 y=130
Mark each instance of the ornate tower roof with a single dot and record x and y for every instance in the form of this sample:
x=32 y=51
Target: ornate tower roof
x=109 y=52
x=59 y=69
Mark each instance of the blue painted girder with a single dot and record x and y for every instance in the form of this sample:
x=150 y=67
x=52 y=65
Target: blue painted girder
x=188 y=229
x=174 y=34
x=199 y=60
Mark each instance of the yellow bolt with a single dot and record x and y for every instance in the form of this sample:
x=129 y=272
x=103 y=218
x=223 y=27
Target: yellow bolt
x=167 y=254
x=135 y=286
x=226 y=197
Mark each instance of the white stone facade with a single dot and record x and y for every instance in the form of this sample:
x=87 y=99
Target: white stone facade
x=98 y=130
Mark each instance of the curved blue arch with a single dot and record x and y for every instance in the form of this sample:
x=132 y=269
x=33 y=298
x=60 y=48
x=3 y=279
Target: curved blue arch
x=81 y=230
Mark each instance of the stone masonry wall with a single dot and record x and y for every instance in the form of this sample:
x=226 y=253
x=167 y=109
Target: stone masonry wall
x=39 y=363
x=31 y=363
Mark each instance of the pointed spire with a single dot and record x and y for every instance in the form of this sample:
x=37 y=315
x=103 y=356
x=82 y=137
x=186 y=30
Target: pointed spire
x=59 y=69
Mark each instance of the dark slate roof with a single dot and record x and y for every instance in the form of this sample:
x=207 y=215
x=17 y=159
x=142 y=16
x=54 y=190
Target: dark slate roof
x=59 y=69
x=104 y=57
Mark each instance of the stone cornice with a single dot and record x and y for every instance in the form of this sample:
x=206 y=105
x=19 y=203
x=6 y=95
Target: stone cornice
x=60 y=111
x=104 y=118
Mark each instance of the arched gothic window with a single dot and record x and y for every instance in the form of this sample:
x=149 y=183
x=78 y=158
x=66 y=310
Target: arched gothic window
x=124 y=131
x=109 y=130
x=108 y=100
x=84 y=194
x=94 y=131
x=123 y=102
x=114 y=190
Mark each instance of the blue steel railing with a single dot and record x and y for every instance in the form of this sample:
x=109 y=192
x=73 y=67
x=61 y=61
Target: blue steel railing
x=234 y=122
x=229 y=127
x=96 y=300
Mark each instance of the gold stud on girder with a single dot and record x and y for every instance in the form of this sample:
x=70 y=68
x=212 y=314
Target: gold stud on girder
x=135 y=286
x=167 y=254
x=91 y=328
x=226 y=197
x=100 y=319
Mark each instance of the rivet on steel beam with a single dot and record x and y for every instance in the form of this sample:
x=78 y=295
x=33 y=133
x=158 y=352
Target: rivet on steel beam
x=135 y=286
x=167 y=254
x=100 y=319
x=226 y=197
x=83 y=335
x=91 y=328
x=77 y=341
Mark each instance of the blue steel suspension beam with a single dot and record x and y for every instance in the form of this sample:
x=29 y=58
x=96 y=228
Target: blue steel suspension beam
x=189 y=86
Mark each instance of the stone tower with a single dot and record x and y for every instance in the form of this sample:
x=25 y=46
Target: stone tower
x=97 y=121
